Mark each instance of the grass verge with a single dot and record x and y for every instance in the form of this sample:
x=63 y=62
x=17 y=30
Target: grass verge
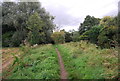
x=84 y=61
x=39 y=63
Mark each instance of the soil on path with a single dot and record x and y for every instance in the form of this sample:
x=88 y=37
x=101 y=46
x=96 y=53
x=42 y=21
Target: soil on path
x=8 y=58
x=63 y=72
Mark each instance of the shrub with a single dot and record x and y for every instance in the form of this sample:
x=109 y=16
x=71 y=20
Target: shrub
x=17 y=38
x=6 y=39
x=58 y=37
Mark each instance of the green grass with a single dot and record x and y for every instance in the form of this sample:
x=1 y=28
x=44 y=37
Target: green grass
x=39 y=63
x=84 y=61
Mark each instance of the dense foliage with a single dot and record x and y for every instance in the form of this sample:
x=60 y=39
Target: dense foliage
x=35 y=27
x=27 y=24
x=58 y=37
x=91 y=34
x=88 y=23
x=103 y=32
x=17 y=18
x=29 y=21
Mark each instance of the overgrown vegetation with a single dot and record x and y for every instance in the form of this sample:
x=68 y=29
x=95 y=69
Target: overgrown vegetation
x=91 y=54
x=102 y=32
x=35 y=26
x=8 y=57
x=29 y=21
x=25 y=20
x=86 y=61
x=37 y=64
x=58 y=37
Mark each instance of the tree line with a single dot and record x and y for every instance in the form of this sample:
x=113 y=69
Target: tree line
x=28 y=21
x=103 y=32
x=25 y=21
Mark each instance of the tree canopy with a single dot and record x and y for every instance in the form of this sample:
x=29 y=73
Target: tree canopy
x=103 y=32
x=15 y=18
x=88 y=23
x=31 y=22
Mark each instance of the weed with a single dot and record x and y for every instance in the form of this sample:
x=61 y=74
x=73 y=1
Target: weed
x=40 y=63
x=84 y=61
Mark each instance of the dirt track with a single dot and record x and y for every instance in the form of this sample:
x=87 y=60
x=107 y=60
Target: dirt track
x=63 y=72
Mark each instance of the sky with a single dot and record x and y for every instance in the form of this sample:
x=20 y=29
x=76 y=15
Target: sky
x=70 y=13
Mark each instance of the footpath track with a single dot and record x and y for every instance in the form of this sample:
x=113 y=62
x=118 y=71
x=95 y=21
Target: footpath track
x=63 y=72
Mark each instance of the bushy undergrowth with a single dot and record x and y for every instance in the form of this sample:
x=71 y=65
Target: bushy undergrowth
x=86 y=61
x=39 y=63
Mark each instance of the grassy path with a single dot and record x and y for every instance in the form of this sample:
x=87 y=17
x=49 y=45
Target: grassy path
x=75 y=60
x=63 y=72
x=84 y=61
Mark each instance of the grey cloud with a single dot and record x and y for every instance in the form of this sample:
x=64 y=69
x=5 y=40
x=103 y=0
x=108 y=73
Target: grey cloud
x=112 y=13
x=62 y=18
x=68 y=20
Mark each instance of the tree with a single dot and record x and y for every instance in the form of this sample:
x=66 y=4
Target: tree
x=92 y=34
x=58 y=37
x=35 y=27
x=48 y=26
x=75 y=36
x=68 y=36
x=107 y=21
x=104 y=33
x=108 y=34
x=88 y=23
x=17 y=38
x=15 y=16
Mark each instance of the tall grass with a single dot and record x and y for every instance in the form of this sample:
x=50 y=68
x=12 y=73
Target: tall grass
x=39 y=63
x=84 y=60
